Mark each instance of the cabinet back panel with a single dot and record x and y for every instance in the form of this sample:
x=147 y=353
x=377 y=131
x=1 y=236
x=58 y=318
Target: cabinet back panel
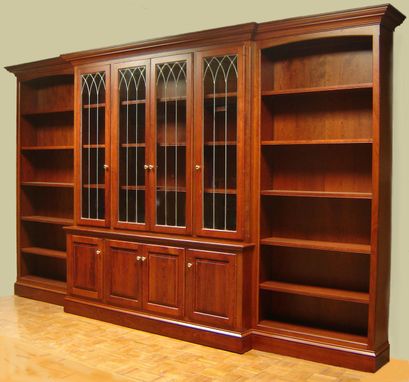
x=46 y=267
x=336 y=115
x=339 y=220
x=49 y=166
x=323 y=62
x=54 y=129
x=47 y=94
x=317 y=168
x=314 y=312
x=42 y=235
x=346 y=271
x=47 y=202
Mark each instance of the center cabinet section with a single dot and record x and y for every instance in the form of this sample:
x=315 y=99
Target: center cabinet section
x=144 y=276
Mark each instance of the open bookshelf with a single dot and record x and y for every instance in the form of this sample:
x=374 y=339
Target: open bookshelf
x=46 y=180
x=316 y=188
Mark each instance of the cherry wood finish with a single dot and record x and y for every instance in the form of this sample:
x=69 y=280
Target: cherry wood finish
x=304 y=269
x=123 y=273
x=85 y=267
x=163 y=291
x=211 y=287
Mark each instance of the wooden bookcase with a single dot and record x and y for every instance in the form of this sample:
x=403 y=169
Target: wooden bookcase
x=45 y=177
x=228 y=187
x=316 y=186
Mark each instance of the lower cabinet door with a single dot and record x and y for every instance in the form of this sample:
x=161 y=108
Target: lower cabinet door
x=85 y=267
x=163 y=277
x=210 y=287
x=123 y=273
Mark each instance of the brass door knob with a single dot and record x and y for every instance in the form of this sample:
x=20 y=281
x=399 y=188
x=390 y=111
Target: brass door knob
x=189 y=265
x=138 y=258
x=98 y=251
x=106 y=167
x=197 y=167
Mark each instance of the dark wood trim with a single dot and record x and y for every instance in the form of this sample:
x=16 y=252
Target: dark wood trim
x=238 y=342
x=39 y=293
x=155 y=238
x=364 y=360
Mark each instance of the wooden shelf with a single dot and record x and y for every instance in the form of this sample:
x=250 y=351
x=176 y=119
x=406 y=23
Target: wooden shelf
x=317 y=142
x=220 y=95
x=43 y=148
x=48 y=184
x=133 y=188
x=44 y=252
x=94 y=146
x=99 y=186
x=306 y=331
x=220 y=143
x=318 y=194
x=318 y=89
x=171 y=99
x=42 y=281
x=174 y=144
x=230 y=191
x=133 y=102
x=47 y=220
x=170 y=189
x=94 y=106
x=314 y=291
x=45 y=112
x=317 y=244
x=130 y=145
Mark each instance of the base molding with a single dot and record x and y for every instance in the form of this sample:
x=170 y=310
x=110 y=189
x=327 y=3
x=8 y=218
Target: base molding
x=218 y=338
x=362 y=360
x=39 y=293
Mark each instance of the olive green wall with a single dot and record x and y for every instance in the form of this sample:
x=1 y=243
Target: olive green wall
x=33 y=30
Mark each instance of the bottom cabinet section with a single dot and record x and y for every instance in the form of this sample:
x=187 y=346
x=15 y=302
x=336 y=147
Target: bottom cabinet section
x=85 y=267
x=163 y=280
x=123 y=273
x=211 y=287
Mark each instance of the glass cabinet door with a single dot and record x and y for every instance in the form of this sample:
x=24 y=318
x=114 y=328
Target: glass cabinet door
x=130 y=120
x=92 y=116
x=219 y=140
x=170 y=168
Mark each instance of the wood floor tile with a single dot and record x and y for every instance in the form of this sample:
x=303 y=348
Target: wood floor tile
x=40 y=343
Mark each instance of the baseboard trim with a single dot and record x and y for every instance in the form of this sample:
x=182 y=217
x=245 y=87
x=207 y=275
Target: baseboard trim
x=218 y=338
x=357 y=359
x=39 y=293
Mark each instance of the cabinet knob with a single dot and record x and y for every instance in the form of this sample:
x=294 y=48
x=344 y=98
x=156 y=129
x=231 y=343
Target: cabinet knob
x=197 y=167
x=189 y=265
x=151 y=167
x=138 y=258
x=146 y=167
x=98 y=251
x=143 y=258
x=106 y=167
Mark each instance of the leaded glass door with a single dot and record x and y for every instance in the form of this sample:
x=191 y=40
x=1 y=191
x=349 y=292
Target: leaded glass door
x=170 y=168
x=92 y=163
x=219 y=125
x=130 y=121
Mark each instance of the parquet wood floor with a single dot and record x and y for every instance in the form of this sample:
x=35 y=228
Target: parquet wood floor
x=39 y=342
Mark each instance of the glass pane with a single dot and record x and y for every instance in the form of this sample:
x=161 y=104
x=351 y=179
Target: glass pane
x=220 y=142
x=132 y=117
x=171 y=144
x=93 y=145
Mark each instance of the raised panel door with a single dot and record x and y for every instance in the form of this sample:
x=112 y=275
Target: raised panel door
x=85 y=267
x=123 y=273
x=210 y=287
x=163 y=280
